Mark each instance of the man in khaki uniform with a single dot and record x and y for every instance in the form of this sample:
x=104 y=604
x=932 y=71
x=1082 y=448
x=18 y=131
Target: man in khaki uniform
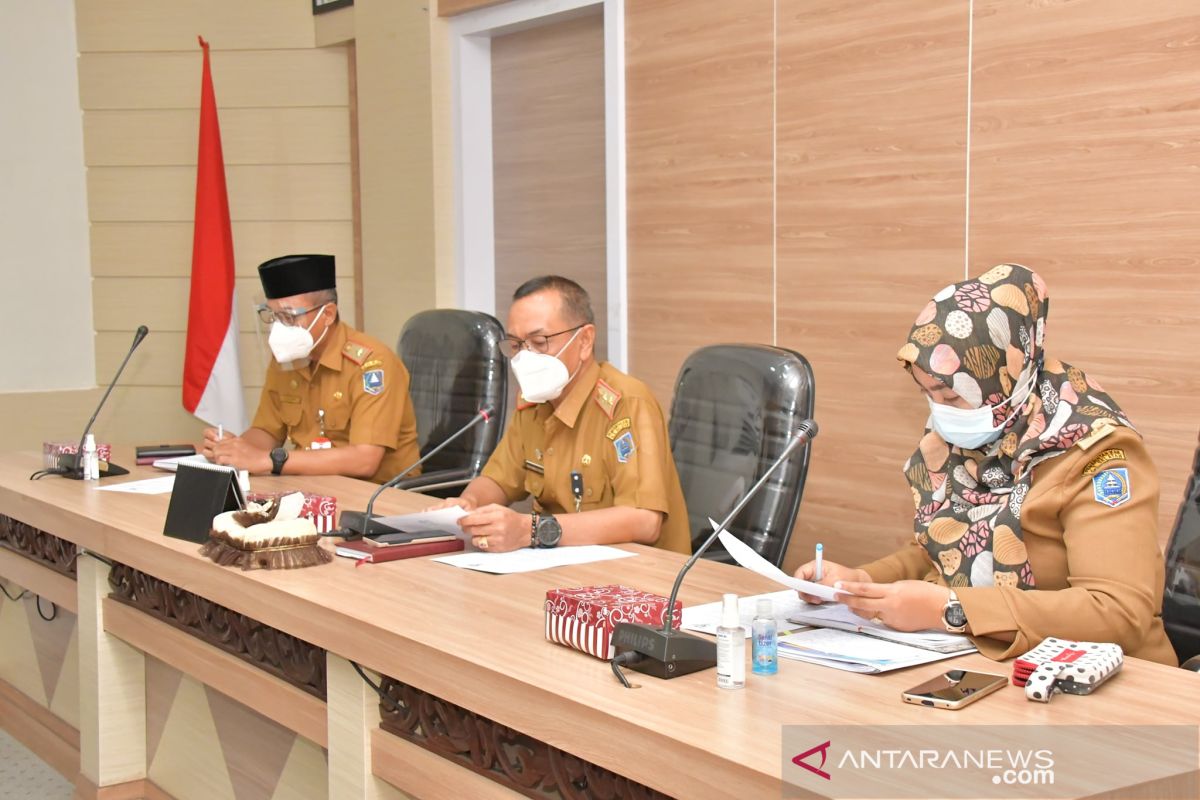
x=328 y=384
x=587 y=441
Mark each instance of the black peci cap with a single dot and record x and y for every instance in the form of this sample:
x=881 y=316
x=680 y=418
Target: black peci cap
x=288 y=276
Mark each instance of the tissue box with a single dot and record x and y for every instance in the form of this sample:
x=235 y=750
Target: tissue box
x=321 y=509
x=584 y=617
x=52 y=450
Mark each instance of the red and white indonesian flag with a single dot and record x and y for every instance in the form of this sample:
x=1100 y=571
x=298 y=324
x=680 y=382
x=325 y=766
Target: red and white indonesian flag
x=212 y=378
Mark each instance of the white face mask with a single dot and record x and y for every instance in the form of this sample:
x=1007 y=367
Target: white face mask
x=291 y=343
x=971 y=428
x=542 y=376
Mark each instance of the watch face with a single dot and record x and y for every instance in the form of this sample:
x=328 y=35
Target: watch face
x=955 y=617
x=548 y=531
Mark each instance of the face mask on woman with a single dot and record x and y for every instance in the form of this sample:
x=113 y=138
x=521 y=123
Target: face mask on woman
x=972 y=428
x=542 y=376
x=290 y=343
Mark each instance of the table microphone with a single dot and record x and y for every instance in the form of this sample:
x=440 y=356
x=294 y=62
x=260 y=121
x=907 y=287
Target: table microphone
x=70 y=465
x=666 y=653
x=350 y=530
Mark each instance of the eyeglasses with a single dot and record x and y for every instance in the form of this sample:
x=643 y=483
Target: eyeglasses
x=288 y=317
x=538 y=343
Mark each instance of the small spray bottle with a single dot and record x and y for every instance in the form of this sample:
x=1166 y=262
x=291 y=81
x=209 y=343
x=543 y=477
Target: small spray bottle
x=731 y=647
x=765 y=637
x=90 y=459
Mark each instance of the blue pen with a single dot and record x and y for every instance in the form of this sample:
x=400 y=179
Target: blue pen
x=820 y=555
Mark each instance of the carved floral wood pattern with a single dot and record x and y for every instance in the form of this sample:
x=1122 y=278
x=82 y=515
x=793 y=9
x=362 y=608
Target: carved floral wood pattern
x=281 y=654
x=520 y=762
x=44 y=548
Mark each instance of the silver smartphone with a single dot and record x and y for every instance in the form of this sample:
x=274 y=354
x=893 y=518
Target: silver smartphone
x=954 y=689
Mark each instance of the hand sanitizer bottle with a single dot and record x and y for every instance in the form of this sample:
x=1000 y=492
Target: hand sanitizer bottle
x=731 y=647
x=765 y=637
x=91 y=461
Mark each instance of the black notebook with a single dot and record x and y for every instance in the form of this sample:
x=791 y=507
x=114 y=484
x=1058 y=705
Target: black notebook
x=202 y=491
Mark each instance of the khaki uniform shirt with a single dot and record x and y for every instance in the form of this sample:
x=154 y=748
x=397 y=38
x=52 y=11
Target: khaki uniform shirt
x=1099 y=569
x=610 y=429
x=361 y=386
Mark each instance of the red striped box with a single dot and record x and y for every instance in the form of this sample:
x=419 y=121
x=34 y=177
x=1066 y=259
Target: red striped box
x=321 y=509
x=584 y=617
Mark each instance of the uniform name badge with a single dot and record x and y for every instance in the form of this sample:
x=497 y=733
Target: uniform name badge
x=1111 y=487
x=373 y=381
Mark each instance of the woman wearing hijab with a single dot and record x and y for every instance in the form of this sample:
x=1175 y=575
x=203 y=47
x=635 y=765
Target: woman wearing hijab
x=1036 y=501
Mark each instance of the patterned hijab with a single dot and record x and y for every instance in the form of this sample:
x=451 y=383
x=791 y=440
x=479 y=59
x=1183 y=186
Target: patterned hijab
x=983 y=339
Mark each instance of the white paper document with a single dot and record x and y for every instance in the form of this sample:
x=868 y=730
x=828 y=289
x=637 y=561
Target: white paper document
x=743 y=554
x=161 y=485
x=839 y=617
x=529 y=559
x=707 y=617
x=853 y=652
x=172 y=464
x=442 y=520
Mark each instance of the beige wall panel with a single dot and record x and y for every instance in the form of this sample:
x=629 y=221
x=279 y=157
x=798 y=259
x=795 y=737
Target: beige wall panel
x=243 y=79
x=449 y=8
x=395 y=163
x=1084 y=166
x=548 y=160
x=121 y=304
x=152 y=25
x=871 y=159
x=698 y=130
x=260 y=192
x=168 y=137
x=159 y=359
x=164 y=249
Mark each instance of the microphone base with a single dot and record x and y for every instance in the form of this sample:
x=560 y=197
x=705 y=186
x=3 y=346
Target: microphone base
x=68 y=468
x=352 y=523
x=664 y=654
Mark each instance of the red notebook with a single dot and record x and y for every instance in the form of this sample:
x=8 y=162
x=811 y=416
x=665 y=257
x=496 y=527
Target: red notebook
x=367 y=551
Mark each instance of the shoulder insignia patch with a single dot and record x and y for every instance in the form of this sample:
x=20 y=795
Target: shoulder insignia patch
x=617 y=427
x=373 y=381
x=607 y=398
x=1100 y=428
x=1112 y=454
x=374 y=362
x=1111 y=487
x=356 y=352
x=624 y=446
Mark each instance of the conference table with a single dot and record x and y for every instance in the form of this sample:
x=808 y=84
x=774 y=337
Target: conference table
x=199 y=681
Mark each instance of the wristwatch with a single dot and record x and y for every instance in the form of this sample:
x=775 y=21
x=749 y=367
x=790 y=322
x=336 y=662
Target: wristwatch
x=279 y=455
x=953 y=616
x=546 y=531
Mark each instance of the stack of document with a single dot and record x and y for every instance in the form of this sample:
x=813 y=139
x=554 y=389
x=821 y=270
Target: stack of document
x=846 y=641
x=843 y=619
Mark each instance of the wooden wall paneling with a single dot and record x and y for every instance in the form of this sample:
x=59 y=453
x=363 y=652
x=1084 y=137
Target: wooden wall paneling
x=256 y=192
x=149 y=25
x=164 y=249
x=450 y=8
x=159 y=360
x=1084 y=162
x=871 y=193
x=699 y=82
x=549 y=161
x=243 y=79
x=121 y=304
x=309 y=135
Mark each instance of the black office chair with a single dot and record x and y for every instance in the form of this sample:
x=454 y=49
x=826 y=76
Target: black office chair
x=455 y=368
x=734 y=410
x=1181 y=600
